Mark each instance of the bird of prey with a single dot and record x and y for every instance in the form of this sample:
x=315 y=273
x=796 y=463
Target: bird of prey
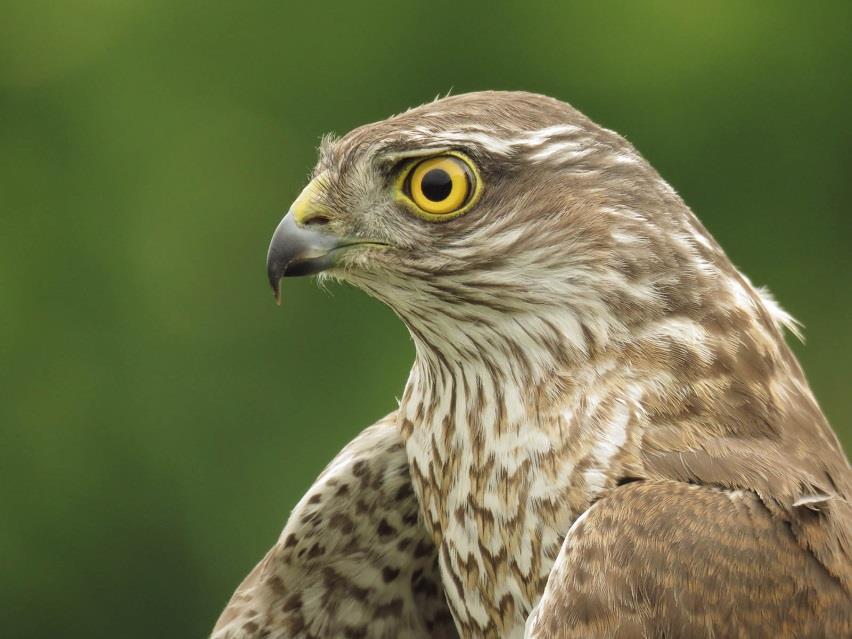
x=604 y=432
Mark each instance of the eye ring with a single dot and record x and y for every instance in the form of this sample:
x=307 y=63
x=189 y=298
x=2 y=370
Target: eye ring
x=440 y=187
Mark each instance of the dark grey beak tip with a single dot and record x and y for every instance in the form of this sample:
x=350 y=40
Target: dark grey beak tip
x=296 y=250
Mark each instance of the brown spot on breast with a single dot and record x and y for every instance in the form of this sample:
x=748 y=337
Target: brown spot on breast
x=385 y=529
x=423 y=586
x=342 y=522
x=405 y=491
x=276 y=584
x=389 y=573
x=294 y=602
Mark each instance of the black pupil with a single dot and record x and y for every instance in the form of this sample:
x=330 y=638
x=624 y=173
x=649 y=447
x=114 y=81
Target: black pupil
x=436 y=185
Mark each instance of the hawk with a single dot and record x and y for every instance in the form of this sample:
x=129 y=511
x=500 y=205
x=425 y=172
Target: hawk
x=604 y=432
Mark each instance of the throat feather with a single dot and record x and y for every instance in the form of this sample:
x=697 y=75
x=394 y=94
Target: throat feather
x=501 y=470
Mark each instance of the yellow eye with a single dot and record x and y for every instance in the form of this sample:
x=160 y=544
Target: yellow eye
x=441 y=186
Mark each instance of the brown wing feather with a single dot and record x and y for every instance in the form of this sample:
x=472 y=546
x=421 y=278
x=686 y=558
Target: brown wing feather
x=669 y=559
x=810 y=492
x=353 y=560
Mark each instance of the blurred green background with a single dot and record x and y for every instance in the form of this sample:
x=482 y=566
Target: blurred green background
x=159 y=415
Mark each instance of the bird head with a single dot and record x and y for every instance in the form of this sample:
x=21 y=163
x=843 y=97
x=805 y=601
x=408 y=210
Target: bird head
x=505 y=214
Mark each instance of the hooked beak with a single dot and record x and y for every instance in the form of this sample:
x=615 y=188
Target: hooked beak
x=298 y=250
x=302 y=243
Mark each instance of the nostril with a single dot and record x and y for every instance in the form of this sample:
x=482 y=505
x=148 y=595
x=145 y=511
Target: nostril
x=317 y=220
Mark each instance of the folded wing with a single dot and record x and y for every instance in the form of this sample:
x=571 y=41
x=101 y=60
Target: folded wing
x=670 y=559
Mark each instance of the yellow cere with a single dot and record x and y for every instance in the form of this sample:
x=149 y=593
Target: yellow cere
x=307 y=206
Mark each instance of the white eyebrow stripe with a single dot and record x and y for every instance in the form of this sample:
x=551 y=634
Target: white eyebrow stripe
x=488 y=142
x=572 y=150
x=499 y=145
x=535 y=138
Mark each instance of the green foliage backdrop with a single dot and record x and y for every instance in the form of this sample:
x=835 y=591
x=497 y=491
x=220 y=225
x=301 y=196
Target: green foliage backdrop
x=159 y=415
